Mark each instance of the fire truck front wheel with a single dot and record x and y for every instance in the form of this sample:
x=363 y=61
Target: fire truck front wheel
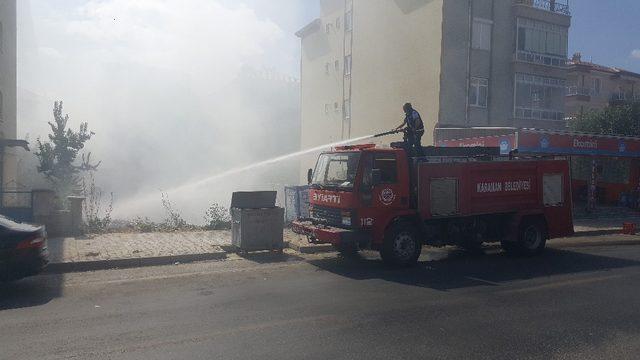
x=402 y=245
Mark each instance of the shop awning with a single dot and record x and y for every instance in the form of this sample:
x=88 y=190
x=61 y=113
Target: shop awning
x=542 y=142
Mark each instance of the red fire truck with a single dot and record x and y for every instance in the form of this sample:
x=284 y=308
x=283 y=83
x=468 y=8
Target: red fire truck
x=368 y=197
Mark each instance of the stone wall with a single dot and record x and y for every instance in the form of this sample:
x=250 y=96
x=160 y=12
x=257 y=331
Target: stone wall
x=58 y=222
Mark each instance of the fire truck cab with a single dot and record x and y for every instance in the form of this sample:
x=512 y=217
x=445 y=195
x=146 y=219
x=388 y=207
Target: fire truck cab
x=368 y=197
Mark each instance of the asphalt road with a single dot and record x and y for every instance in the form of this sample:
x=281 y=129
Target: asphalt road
x=570 y=303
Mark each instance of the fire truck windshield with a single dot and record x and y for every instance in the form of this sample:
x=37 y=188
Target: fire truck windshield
x=337 y=170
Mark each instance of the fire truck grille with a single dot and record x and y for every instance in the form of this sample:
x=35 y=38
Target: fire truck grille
x=327 y=215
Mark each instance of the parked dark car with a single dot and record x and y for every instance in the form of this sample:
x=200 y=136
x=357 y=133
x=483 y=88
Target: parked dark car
x=23 y=249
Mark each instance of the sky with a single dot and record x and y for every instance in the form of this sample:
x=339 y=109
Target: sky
x=607 y=32
x=157 y=80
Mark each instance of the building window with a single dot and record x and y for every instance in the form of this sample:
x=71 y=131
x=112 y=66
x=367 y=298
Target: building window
x=478 y=92
x=481 y=36
x=348 y=21
x=338 y=23
x=542 y=43
x=336 y=65
x=619 y=94
x=335 y=107
x=327 y=28
x=326 y=109
x=597 y=87
x=327 y=68
x=347 y=109
x=539 y=98
x=347 y=65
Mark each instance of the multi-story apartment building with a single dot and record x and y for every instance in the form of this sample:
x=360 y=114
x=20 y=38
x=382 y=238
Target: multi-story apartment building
x=592 y=87
x=8 y=161
x=462 y=63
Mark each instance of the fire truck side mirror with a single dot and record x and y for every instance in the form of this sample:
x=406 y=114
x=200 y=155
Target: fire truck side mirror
x=376 y=176
x=309 y=176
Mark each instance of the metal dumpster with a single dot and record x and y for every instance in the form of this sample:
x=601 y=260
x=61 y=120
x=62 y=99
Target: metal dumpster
x=257 y=224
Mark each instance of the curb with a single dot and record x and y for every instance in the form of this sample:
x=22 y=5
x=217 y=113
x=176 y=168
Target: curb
x=310 y=249
x=595 y=243
x=597 y=232
x=85 y=266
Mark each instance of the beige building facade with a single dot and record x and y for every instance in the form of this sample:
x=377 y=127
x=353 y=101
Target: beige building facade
x=593 y=87
x=461 y=63
x=8 y=103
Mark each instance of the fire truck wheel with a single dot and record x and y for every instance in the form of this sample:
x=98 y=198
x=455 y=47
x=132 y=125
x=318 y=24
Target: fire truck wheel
x=401 y=246
x=532 y=238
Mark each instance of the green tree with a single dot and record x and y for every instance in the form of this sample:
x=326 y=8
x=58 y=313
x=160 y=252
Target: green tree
x=58 y=156
x=613 y=120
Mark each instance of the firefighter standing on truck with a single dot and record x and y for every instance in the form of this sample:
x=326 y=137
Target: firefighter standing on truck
x=413 y=129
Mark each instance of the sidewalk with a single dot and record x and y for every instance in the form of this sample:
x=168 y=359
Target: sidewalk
x=128 y=250
x=603 y=226
x=131 y=250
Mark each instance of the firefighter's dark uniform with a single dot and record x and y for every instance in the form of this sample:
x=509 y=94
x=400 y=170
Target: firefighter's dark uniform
x=413 y=133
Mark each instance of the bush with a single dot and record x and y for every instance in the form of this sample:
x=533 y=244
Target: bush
x=95 y=223
x=217 y=218
x=144 y=225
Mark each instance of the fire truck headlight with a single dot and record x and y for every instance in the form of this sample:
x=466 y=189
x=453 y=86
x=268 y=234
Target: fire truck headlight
x=346 y=218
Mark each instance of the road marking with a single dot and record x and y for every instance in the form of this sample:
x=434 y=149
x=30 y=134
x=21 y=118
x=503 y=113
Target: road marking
x=561 y=284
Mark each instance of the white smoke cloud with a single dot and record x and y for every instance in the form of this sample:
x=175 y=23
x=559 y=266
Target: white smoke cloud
x=635 y=54
x=157 y=82
x=200 y=38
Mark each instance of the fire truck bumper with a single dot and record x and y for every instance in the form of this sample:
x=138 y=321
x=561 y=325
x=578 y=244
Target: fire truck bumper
x=322 y=234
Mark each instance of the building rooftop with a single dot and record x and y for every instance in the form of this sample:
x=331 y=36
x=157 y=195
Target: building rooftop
x=309 y=28
x=577 y=63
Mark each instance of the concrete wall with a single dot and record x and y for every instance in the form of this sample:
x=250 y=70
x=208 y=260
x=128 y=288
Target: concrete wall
x=8 y=89
x=396 y=59
x=58 y=222
x=395 y=48
x=319 y=88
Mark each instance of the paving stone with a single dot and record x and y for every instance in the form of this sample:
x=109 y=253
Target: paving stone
x=130 y=245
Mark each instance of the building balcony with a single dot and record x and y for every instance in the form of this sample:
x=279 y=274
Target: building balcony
x=538 y=114
x=554 y=6
x=540 y=59
x=577 y=90
x=579 y=93
x=618 y=97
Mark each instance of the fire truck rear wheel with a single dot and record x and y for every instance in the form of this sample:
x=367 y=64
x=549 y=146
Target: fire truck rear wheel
x=402 y=245
x=532 y=238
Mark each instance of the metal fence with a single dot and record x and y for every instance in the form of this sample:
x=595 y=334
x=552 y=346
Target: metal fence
x=557 y=6
x=296 y=203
